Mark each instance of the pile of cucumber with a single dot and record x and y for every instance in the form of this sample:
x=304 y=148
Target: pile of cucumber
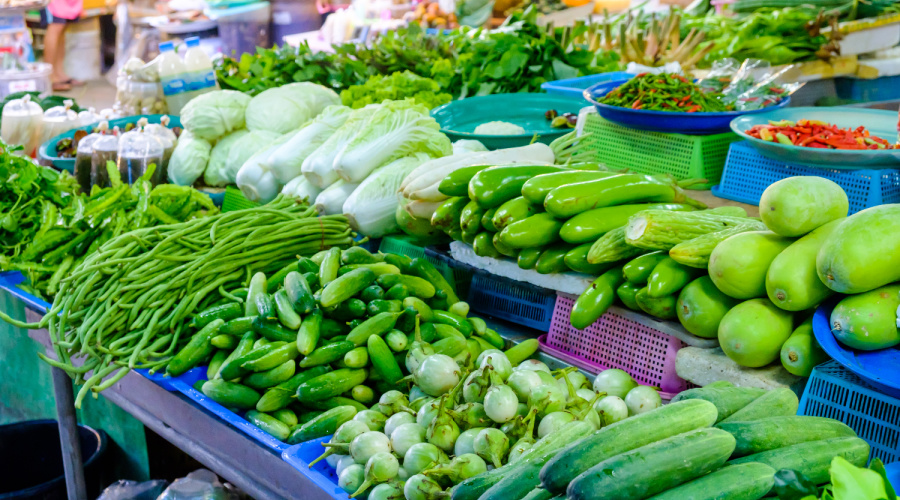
x=459 y=420
x=314 y=344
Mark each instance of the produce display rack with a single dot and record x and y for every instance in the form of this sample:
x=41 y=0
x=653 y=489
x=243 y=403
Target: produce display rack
x=835 y=392
x=641 y=151
x=748 y=173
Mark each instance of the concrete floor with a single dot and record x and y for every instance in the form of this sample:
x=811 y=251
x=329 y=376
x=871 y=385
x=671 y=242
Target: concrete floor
x=96 y=94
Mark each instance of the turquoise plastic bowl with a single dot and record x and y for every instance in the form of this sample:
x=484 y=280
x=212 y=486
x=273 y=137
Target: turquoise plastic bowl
x=458 y=119
x=47 y=150
x=880 y=123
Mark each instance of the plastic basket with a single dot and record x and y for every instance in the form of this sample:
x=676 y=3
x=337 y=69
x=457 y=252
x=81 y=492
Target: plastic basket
x=235 y=200
x=684 y=156
x=322 y=474
x=748 y=173
x=834 y=392
x=456 y=273
x=185 y=385
x=521 y=303
x=401 y=245
x=614 y=341
x=886 y=88
x=575 y=87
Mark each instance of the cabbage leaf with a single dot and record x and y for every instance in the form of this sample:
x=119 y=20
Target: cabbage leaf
x=371 y=208
x=212 y=115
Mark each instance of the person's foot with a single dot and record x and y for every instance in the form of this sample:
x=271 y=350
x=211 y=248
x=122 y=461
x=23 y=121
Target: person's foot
x=75 y=83
x=61 y=86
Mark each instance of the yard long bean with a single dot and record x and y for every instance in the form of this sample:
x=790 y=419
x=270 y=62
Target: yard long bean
x=124 y=306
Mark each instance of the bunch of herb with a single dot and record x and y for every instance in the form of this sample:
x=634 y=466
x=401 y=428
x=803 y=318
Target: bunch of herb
x=398 y=86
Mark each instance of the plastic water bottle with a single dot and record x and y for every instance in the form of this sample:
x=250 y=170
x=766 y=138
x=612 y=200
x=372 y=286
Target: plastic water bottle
x=173 y=77
x=202 y=78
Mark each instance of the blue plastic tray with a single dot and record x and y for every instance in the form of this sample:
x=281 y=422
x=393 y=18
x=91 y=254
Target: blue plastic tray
x=667 y=121
x=185 y=385
x=885 y=88
x=322 y=474
x=879 y=122
x=575 y=87
x=748 y=173
x=880 y=368
x=521 y=303
x=834 y=392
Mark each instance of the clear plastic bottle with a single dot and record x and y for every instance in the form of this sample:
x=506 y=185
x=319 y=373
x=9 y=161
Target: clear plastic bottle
x=105 y=149
x=173 y=77
x=162 y=132
x=84 y=157
x=20 y=124
x=137 y=150
x=202 y=77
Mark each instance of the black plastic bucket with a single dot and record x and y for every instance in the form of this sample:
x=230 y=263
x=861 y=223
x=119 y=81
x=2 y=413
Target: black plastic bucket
x=31 y=464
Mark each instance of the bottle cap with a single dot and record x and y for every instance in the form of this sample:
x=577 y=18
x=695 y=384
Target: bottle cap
x=166 y=46
x=193 y=41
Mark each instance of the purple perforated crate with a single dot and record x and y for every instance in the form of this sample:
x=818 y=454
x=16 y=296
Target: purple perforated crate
x=616 y=341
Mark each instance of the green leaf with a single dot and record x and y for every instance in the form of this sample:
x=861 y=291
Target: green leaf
x=878 y=466
x=855 y=483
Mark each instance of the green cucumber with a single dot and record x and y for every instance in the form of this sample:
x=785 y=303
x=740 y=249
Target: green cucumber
x=748 y=481
x=286 y=415
x=322 y=425
x=378 y=306
x=309 y=332
x=623 y=436
x=812 y=458
x=419 y=287
x=271 y=425
x=275 y=281
x=271 y=329
x=397 y=292
x=425 y=313
x=257 y=288
x=299 y=293
x=331 y=328
x=223 y=341
x=328 y=268
x=522 y=351
x=359 y=255
x=378 y=268
x=238 y=326
x=450 y=346
x=426 y=270
x=331 y=384
x=306 y=265
x=727 y=400
x=198 y=349
x=281 y=395
x=327 y=404
x=655 y=467
x=243 y=347
x=376 y=325
x=285 y=311
x=327 y=353
x=383 y=359
x=757 y=436
x=455 y=320
x=270 y=378
x=225 y=312
x=230 y=395
x=346 y=286
x=775 y=403
x=215 y=363
x=272 y=359
x=370 y=293
x=234 y=368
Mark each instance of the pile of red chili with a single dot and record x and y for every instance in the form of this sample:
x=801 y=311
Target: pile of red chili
x=818 y=134
x=664 y=92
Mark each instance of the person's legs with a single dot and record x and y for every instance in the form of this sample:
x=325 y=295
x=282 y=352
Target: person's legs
x=55 y=52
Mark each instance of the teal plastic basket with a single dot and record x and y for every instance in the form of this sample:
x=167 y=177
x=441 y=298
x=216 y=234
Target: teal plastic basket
x=835 y=392
x=235 y=200
x=401 y=245
x=748 y=173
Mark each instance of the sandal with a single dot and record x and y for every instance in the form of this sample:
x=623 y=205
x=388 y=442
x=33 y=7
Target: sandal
x=61 y=86
x=74 y=83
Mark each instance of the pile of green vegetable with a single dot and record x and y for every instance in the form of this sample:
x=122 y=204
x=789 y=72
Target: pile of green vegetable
x=395 y=87
x=517 y=57
x=125 y=305
x=49 y=228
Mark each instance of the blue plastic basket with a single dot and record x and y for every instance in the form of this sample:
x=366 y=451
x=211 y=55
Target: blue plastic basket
x=834 y=392
x=185 y=385
x=322 y=474
x=517 y=302
x=748 y=173
x=885 y=88
x=701 y=123
x=575 y=87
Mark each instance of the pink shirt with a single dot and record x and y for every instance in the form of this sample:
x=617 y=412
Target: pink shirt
x=65 y=9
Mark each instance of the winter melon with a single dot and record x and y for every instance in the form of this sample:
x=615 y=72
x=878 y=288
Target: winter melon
x=701 y=306
x=861 y=254
x=797 y=205
x=868 y=321
x=752 y=332
x=738 y=265
x=792 y=282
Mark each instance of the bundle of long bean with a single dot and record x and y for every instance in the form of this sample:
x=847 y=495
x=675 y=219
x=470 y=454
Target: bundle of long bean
x=664 y=92
x=125 y=306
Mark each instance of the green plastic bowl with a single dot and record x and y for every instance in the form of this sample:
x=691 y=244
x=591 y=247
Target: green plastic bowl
x=47 y=151
x=458 y=119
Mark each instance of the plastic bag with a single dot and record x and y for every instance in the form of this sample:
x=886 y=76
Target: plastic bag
x=198 y=485
x=749 y=85
x=21 y=123
x=133 y=490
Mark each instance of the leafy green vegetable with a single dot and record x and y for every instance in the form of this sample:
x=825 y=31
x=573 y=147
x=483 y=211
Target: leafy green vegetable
x=397 y=86
x=848 y=482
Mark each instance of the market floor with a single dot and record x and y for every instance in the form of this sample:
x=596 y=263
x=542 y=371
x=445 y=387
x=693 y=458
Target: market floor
x=96 y=94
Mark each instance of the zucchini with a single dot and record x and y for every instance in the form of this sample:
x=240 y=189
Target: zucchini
x=748 y=481
x=595 y=301
x=659 y=307
x=271 y=425
x=812 y=458
x=775 y=403
x=470 y=219
x=801 y=352
x=346 y=286
x=623 y=436
x=487 y=221
x=767 y=434
x=542 y=451
x=446 y=215
x=727 y=400
x=503 y=249
x=627 y=293
x=418 y=287
x=662 y=229
x=572 y=199
x=331 y=384
x=536 y=231
x=483 y=245
x=655 y=467
x=322 y=425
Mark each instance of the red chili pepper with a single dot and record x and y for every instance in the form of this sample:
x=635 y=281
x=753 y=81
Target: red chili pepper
x=636 y=104
x=694 y=108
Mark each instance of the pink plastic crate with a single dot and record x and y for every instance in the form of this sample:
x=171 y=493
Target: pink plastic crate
x=614 y=341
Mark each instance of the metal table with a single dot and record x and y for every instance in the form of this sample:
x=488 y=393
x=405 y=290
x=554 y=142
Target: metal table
x=223 y=449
